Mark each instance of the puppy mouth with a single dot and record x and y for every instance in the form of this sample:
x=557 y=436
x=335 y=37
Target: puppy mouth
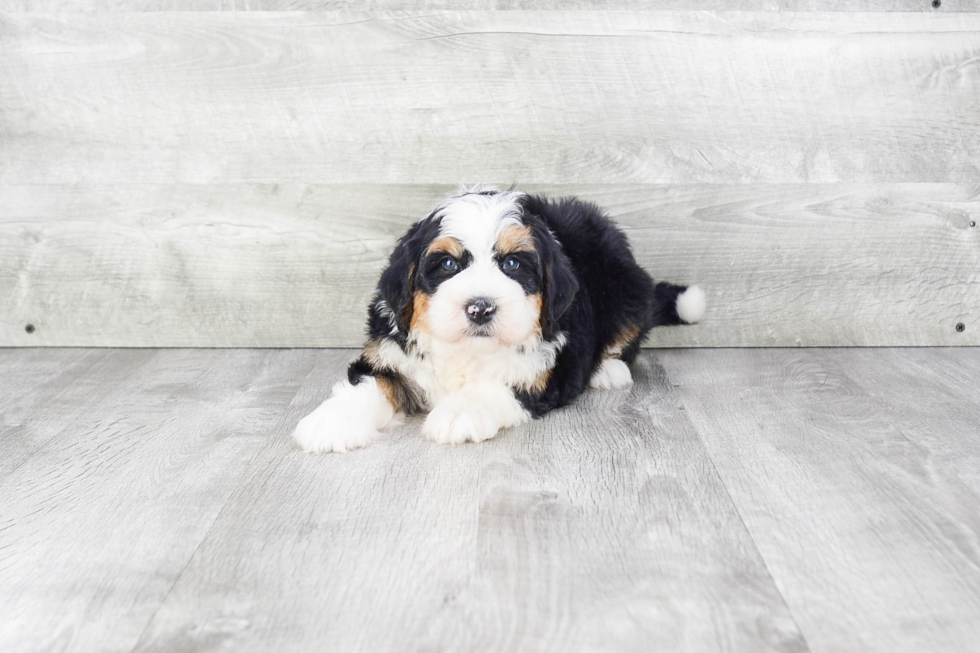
x=480 y=331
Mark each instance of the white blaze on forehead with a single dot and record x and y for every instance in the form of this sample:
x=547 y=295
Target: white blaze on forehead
x=476 y=220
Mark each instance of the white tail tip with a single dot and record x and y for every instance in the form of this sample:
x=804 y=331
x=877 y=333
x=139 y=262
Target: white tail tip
x=691 y=305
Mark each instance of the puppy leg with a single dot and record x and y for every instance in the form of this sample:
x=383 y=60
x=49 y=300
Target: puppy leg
x=473 y=414
x=350 y=419
x=611 y=374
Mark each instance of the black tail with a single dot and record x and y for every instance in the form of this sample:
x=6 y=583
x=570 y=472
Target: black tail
x=677 y=304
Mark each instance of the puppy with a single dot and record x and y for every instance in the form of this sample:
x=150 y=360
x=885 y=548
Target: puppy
x=495 y=308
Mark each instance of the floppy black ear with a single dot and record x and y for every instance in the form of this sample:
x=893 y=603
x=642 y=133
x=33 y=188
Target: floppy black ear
x=397 y=282
x=560 y=284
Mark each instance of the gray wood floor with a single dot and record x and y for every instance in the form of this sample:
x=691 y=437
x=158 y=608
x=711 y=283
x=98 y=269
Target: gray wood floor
x=732 y=500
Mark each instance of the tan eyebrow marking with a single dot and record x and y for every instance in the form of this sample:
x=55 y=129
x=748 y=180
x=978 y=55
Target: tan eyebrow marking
x=515 y=238
x=448 y=245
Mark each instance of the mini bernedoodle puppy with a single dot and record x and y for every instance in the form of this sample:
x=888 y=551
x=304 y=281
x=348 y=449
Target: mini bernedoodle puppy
x=495 y=308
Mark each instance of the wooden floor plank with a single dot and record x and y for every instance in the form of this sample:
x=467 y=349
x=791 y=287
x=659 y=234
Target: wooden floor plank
x=958 y=371
x=732 y=500
x=97 y=525
x=25 y=376
x=34 y=365
x=603 y=527
x=858 y=478
x=59 y=387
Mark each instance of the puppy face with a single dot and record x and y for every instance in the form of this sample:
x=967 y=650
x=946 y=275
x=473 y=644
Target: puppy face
x=478 y=267
x=480 y=277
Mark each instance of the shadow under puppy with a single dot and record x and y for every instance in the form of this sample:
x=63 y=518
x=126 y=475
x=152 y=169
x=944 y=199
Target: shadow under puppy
x=495 y=308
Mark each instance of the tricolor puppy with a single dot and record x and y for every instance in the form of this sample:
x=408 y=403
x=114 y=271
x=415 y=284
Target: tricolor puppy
x=495 y=308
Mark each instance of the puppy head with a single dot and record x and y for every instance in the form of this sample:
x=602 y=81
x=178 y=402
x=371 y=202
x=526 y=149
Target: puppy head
x=480 y=266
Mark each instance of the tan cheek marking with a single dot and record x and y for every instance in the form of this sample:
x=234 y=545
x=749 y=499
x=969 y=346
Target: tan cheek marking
x=621 y=342
x=446 y=244
x=536 y=298
x=420 y=306
x=515 y=238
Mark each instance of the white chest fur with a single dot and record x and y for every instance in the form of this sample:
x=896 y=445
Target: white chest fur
x=440 y=368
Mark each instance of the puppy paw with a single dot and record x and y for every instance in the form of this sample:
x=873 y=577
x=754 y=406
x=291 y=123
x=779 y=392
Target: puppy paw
x=454 y=421
x=611 y=375
x=351 y=419
x=334 y=428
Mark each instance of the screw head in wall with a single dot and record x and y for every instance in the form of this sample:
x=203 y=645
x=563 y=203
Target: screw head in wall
x=960 y=327
x=29 y=328
x=936 y=3
x=973 y=223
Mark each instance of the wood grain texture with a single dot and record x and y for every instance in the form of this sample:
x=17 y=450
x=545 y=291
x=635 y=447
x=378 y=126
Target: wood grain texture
x=172 y=178
x=619 y=539
x=856 y=472
x=295 y=264
x=55 y=389
x=536 y=97
x=50 y=6
x=98 y=523
x=756 y=500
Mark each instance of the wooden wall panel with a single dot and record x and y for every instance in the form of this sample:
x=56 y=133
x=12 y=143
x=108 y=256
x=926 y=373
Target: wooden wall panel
x=236 y=178
x=294 y=265
x=533 y=97
x=39 y=6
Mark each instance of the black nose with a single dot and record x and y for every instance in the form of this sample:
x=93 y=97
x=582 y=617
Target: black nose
x=480 y=311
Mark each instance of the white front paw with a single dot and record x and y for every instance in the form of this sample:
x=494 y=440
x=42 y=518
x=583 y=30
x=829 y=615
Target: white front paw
x=455 y=420
x=335 y=426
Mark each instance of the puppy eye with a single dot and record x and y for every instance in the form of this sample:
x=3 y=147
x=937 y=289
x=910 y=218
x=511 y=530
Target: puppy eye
x=510 y=264
x=448 y=264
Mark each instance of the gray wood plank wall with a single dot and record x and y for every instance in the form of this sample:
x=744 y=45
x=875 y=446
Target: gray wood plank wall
x=236 y=178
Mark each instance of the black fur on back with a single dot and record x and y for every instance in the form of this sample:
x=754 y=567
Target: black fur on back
x=614 y=296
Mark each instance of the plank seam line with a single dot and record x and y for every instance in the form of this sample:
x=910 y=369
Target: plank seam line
x=748 y=532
